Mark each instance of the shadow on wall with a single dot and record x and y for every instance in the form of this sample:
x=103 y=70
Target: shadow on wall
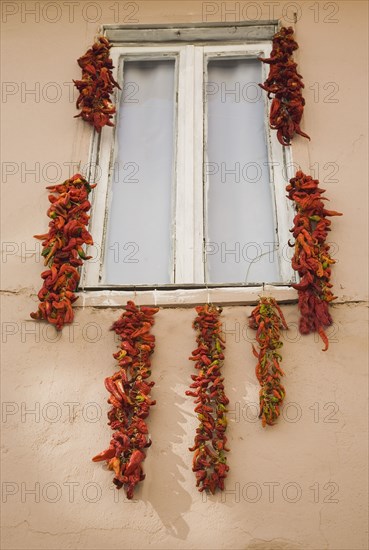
x=163 y=482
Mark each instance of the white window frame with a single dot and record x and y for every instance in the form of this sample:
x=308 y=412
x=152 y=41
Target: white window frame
x=191 y=157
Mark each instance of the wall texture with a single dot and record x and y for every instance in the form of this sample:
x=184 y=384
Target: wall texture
x=300 y=485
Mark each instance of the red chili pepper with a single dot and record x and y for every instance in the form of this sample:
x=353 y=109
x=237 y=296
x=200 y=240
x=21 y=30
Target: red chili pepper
x=285 y=84
x=62 y=251
x=129 y=395
x=311 y=256
x=210 y=440
x=134 y=462
x=96 y=86
x=141 y=331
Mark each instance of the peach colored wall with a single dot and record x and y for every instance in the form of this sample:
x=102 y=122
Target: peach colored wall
x=316 y=458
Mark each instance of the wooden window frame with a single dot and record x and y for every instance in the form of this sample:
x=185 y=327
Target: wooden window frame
x=191 y=46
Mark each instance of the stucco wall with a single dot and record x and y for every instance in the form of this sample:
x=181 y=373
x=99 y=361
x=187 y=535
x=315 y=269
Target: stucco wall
x=301 y=484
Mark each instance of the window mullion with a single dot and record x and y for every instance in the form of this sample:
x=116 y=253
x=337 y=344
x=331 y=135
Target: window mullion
x=189 y=164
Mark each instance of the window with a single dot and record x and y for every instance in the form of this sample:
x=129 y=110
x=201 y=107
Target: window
x=191 y=181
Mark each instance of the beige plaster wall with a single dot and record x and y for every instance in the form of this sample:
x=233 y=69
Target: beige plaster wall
x=301 y=484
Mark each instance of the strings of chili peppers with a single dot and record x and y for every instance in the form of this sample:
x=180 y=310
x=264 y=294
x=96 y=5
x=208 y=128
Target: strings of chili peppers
x=62 y=250
x=96 y=86
x=285 y=83
x=267 y=319
x=130 y=397
x=209 y=460
x=311 y=257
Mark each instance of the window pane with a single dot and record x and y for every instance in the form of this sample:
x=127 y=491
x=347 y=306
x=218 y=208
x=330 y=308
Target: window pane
x=240 y=218
x=138 y=248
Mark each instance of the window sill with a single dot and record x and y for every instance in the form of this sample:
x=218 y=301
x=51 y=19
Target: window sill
x=184 y=297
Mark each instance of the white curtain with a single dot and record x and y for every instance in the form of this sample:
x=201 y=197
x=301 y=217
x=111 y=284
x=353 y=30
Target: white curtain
x=139 y=242
x=240 y=224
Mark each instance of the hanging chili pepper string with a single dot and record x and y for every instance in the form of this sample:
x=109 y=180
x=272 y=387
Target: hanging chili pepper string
x=96 y=86
x=267 y=319
x=209 y=460
x=129 y=397
x=285 y=83
x=62 y=250
x=311 y=257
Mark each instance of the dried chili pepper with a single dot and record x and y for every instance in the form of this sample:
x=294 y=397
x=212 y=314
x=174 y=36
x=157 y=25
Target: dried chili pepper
x=62 y=250
x=285 y=83
x=209 y=460
x=96 y=86
x=267 y=319
x=129 y=397
x=311 y=257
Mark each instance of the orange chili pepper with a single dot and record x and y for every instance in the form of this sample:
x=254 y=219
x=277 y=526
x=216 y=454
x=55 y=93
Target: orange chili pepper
x=267 y=319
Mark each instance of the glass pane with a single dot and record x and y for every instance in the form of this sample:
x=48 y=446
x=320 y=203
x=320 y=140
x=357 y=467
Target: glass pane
x=138 y=248
x=241 y=233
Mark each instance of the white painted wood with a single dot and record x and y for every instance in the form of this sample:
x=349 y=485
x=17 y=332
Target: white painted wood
x=205 y=179
x=198 y=194
x=236 y=50
x=174 y=171
x=100 y=161
x=189 y=196
x=185 y=169
x=188 y=207
x=185 y=297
